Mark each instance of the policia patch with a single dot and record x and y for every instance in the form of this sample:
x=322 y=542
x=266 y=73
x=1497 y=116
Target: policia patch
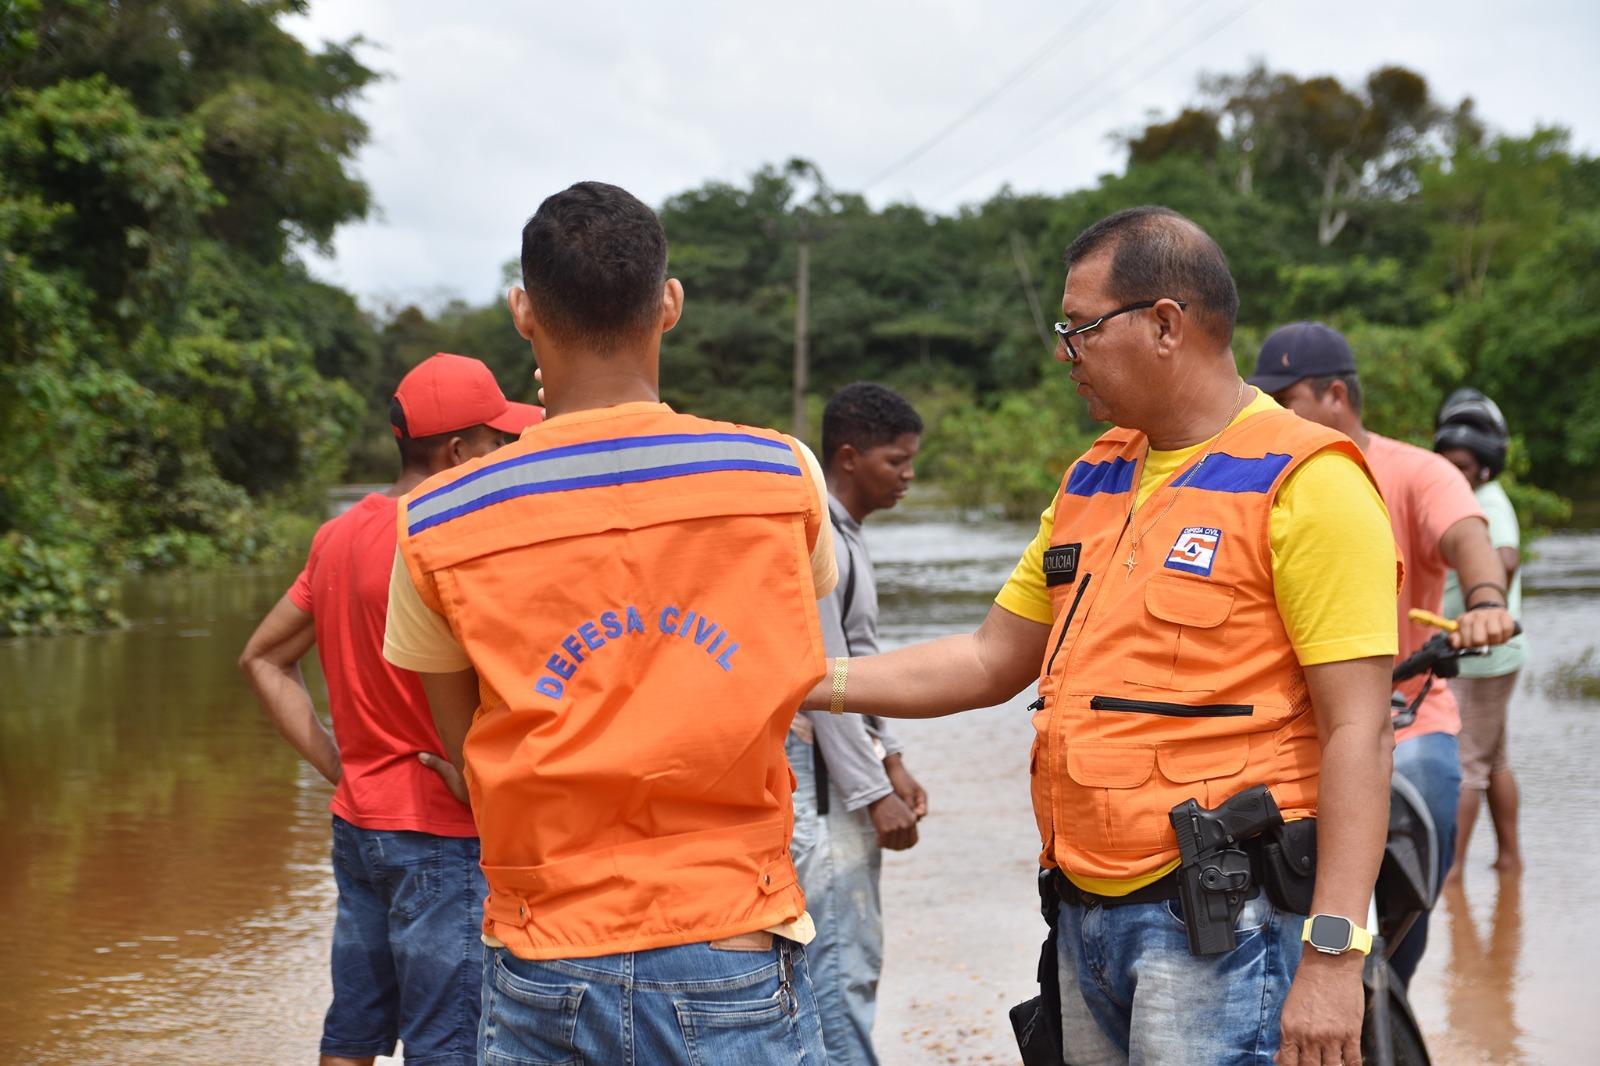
x=1061 y=564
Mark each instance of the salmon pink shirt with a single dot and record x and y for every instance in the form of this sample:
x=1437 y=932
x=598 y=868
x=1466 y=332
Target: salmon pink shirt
x=1425 y=496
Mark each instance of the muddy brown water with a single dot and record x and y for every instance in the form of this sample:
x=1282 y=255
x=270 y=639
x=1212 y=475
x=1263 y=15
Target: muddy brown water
x=165 y=894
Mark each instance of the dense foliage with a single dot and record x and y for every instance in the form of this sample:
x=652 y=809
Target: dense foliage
x=170 y=376
x=175 y=389
x=1447 y=254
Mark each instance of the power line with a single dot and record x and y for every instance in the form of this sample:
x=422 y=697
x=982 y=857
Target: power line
x=1032 y=63
x=1029 y=141
x=1033 y=144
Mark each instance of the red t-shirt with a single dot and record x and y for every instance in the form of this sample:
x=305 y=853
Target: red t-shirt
x=380 y=715
x=1425 y=496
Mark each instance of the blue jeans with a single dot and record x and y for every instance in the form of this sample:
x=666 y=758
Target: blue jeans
x=691 y=1004
x=1132 y=994
x=1431 y=762
x=839 y=861
x=407 y=957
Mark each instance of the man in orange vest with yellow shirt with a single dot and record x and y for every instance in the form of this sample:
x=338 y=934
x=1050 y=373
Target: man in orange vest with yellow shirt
x=1208 y=607
x=615 y=619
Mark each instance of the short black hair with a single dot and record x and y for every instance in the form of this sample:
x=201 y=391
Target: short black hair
x=1156 y=254
x=1352 y=387
x=865 y=414
x=418 y=452
x=594 y=258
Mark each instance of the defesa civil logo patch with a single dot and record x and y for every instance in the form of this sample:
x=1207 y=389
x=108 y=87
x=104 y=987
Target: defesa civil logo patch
x=1195 y=550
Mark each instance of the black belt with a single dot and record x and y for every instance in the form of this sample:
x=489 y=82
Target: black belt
x=1157 y=891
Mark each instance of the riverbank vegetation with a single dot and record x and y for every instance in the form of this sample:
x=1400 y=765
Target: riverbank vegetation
x=177 y=390
x=1575 y=678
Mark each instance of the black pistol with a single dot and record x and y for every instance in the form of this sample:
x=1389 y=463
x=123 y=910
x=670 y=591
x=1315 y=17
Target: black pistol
x=1214 y=878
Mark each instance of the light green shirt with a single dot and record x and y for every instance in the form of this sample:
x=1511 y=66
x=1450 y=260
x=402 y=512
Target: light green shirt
x=1503 y=533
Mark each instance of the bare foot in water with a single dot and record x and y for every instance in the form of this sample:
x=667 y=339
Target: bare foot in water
x=1506 y=864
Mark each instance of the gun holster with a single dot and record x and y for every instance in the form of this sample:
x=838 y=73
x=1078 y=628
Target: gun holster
x=1037 y=1022
x=1218 y=851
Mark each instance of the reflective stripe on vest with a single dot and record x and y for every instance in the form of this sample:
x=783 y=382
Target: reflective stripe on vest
x=593 y=464
x=1177 y=679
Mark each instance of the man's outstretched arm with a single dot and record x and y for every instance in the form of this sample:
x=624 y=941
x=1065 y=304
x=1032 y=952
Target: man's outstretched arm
x=271 y=662
x=1482 y=574
x=978 y=669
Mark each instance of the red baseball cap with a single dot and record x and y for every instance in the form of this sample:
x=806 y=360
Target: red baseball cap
x=445 y=392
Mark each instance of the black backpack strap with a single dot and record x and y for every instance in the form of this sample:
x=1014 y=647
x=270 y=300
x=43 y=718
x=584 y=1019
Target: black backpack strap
x=819 y=768
x=819 y=774
x=849 y=583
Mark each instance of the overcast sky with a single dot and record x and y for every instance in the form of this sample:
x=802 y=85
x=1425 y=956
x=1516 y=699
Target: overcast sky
x=488 y=106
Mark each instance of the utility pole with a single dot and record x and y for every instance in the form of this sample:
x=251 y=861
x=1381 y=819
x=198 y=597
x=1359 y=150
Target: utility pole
x=802 y=315
x=806 y=230
x=1020 y=257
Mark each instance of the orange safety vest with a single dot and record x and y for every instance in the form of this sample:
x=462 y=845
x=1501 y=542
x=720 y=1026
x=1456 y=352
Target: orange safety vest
x=1176 y=680
x=634 y=588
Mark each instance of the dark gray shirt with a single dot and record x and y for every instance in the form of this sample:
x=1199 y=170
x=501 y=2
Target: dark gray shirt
x=855 y=763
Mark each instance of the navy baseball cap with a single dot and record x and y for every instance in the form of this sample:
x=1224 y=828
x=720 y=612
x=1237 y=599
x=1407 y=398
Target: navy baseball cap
x=1301 y=350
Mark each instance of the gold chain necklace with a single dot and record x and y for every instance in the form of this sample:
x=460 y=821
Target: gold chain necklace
x=1133 y=548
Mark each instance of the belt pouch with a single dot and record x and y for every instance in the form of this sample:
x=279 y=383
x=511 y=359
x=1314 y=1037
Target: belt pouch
x=1288 y=856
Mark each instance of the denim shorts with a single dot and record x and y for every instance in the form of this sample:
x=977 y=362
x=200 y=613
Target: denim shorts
x=839 y=862
x=1132 y=993
x=407 y=957
x=692 y=1004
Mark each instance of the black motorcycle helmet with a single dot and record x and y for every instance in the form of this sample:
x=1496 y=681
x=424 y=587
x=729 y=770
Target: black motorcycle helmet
x=1470 y=420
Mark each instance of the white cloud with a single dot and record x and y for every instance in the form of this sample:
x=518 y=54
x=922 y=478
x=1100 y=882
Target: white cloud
x=490 y=105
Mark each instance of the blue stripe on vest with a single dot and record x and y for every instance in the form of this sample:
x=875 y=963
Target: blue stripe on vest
x=596 y=464
x=1229 y=473
x=595 y=447
x=1091 y=479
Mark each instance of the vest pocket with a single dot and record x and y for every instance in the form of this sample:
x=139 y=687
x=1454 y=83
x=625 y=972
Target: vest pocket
x=1188 y=761
x=1172 y=710
x=1183 y=637
x=1120 y=795
x=1103 y=810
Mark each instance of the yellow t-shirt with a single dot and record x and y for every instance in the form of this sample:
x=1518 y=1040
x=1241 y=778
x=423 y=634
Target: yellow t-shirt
x=1333 y=571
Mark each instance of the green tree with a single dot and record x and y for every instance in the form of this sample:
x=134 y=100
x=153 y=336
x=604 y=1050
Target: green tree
x=1532 y=342
x=1490 y=204
x=164 y=398
x=954 y=310
x=1328 y=151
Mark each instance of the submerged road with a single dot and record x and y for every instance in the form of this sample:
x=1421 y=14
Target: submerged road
x=165 y=893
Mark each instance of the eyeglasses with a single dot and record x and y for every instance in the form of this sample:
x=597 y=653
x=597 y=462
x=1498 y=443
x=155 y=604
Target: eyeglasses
x=1066 y=332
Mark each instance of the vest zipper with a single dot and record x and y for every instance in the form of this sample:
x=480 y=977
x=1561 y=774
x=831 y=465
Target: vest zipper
x=1082 y=587
x=1172 y=710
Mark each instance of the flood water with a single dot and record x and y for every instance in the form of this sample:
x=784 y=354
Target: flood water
x=165 y=894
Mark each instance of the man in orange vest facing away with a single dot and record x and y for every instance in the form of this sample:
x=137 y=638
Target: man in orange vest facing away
x=1208 y=607
x=615 y=619
x=405 y=851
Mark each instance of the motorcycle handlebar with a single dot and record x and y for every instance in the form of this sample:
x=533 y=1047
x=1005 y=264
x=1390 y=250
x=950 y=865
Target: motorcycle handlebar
x=1437 y=650
x=1425 y=658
